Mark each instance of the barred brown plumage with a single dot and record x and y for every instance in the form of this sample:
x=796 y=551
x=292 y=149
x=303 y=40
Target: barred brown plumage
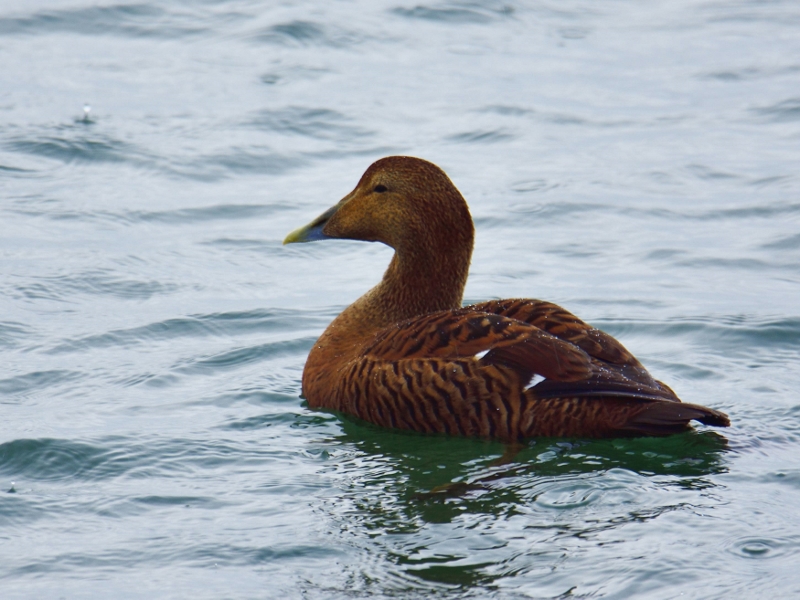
x=406 y=355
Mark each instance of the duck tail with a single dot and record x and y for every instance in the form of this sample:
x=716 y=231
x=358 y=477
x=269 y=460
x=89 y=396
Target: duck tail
x=666 y=418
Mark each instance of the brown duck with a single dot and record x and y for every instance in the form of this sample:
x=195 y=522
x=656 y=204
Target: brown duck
x=407 y=355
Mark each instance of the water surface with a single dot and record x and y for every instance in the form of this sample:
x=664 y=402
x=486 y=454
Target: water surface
x=637 y=164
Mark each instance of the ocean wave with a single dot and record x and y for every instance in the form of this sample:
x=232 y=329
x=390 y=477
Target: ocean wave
x=239 y=357
x=457 y=12
x=53 y=459
x=142 y=20
x=308 y=33
x=82 y=147
x=99 y=282
x=736 y=334
x=480 y=137
x=320 y=123
x=21 y=386
x=229 y=324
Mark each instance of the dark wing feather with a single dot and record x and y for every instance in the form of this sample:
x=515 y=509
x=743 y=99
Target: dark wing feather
x=466 y=333
x=615 y=371
x=597 y=387
x=574 y=358
x=666 y=418
x=563 y=324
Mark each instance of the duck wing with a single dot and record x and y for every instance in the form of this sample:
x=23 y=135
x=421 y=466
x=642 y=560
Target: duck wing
x=615 y=371
x=457 y=372
x=477 y=372
x=490 y=338
x=562 y=324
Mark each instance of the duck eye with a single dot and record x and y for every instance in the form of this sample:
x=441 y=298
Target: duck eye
x=380 y=188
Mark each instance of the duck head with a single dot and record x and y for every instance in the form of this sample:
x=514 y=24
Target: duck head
x=407 y=203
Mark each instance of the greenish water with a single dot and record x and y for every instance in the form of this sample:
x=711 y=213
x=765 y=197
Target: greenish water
x=635 y=163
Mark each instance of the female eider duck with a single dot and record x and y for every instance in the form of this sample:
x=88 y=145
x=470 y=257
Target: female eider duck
x=407 y=355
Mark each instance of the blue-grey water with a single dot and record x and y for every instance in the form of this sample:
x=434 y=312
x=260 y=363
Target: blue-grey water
x=636 y=162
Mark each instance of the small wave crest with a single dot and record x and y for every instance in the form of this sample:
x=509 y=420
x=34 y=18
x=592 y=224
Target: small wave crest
x=129 y=20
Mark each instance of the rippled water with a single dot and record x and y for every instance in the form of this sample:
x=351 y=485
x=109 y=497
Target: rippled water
x=637 y=163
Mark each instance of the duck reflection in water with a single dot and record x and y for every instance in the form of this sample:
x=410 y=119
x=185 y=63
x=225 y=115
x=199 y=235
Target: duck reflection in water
x=420 y=473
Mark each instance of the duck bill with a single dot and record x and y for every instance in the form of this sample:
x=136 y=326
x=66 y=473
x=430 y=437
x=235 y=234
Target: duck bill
x=313 y=231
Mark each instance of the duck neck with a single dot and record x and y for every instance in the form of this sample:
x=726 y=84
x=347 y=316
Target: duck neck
x=418 y=281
